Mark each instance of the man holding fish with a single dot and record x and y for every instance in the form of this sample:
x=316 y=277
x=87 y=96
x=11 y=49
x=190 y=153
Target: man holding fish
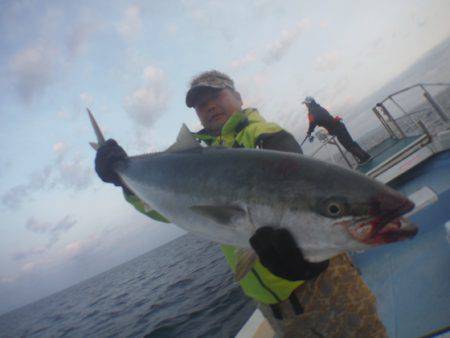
x=284 y=220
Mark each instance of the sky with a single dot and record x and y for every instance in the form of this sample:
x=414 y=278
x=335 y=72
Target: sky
x=130 y=62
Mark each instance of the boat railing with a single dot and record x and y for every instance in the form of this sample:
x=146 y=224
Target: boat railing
x=412 y=112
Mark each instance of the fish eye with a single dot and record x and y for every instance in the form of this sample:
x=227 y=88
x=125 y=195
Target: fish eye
x=334 y=209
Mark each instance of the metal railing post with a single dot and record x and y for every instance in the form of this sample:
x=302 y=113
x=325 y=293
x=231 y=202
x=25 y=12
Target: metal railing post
x=424 y=128
x=333 y=141
x=391 y=119
x=384 y=123
x=436 y=106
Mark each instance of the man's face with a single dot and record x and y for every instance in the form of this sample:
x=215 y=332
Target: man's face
x=215 y=106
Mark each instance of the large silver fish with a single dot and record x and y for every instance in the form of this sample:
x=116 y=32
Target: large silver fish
x=225 y=194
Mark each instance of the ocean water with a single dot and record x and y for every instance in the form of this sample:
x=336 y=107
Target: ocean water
x=181 y=289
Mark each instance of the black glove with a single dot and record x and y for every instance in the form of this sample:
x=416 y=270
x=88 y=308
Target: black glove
x=311 y=139
x=107 y=155
x=278 y=252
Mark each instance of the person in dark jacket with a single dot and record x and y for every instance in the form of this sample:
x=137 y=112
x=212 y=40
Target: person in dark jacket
x=319 y=116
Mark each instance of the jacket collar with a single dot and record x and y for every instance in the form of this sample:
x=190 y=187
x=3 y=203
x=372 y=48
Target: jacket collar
x=236 y=123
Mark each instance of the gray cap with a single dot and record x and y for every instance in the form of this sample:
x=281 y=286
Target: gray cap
x=210 y=79
x=308 y=100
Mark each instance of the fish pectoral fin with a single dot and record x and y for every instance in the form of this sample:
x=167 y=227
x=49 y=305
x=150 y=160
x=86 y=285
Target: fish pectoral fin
x=222 y=214
x=246 y=258
x=185 y=141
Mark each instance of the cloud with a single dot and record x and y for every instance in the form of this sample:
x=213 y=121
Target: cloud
x=37 y=227
x=32 y=70
x=26 y=254
x=53 y=231
x=86 y=99
x=74 y=175
x=276 y=50
x=78 y=38
x=70 y=173
x=147 y=103
x=60 y=148
x=130 y=26
x=244 y=61
x=16 y=195
x=328 y=61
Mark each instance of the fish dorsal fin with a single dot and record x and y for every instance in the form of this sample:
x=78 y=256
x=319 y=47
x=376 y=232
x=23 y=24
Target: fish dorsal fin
x=185 y=141
x=245 y=259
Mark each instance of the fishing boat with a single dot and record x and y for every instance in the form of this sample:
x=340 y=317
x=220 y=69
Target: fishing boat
x=411 y=153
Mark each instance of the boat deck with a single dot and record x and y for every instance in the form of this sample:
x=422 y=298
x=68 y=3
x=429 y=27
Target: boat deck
x=386 y=150
x=411 y=279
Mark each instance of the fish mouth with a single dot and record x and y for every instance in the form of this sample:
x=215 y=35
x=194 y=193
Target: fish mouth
x=388 y=227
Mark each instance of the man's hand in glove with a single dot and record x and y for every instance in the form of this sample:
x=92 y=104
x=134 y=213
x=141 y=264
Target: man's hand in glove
x=278 y=252
x=107 y=155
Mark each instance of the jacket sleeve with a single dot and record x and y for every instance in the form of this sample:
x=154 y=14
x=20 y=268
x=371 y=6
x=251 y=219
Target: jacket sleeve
x=312 y=123
x=143 y=207
x=281 y=141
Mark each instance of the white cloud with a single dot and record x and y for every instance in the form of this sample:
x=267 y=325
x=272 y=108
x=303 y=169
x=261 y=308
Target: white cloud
x=244 y=61
x=60 y=148
x=277 y=49
x=86 y=99
x=130 y=26
x=152 y=73
x=328 y=61
x=147 y=103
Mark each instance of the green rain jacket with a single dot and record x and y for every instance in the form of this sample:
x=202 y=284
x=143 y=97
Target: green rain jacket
x=245 y=129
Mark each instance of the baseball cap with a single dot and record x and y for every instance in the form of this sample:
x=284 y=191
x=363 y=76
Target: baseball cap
x=308 y=99
x=207 y=80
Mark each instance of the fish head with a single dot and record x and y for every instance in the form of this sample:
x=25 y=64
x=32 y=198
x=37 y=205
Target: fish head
x=369 y=212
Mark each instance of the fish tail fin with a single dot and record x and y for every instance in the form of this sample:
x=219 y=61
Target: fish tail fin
x=98 y=132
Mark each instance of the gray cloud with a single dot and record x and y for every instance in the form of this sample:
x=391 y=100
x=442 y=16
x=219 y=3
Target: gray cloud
x=16 y=195
x=53 y=231
x=32 y=70
x=74 y=175
x=280 y=47
x=62 y=172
